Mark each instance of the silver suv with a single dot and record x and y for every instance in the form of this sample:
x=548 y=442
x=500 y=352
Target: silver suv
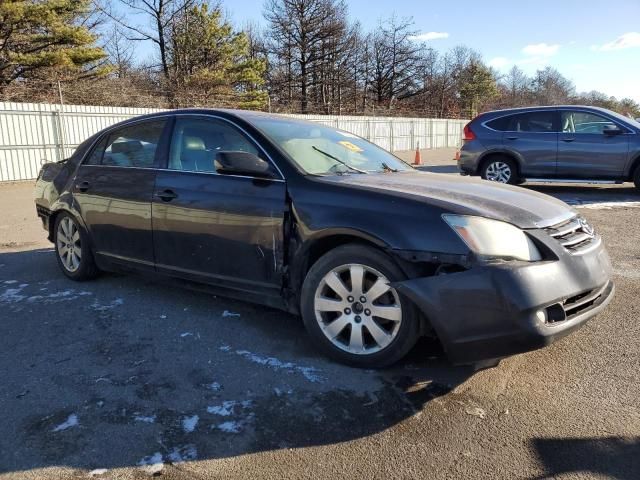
x=561 y=143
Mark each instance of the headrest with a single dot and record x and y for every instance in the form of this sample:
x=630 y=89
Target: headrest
x=128 y=146
x=193 y=143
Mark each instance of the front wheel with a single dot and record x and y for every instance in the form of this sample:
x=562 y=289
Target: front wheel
x=72 y=249
x=636 y=178
x=500 y=169
x=352 y=312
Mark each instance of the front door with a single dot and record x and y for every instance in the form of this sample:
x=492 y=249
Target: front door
x=113 y=190
x=222 y=229
x=585 y=151
x=534 y=137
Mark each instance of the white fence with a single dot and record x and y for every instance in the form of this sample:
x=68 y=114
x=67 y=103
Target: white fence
x=32 y=134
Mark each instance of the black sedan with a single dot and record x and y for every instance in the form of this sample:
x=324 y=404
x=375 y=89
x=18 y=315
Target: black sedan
x=372 y=253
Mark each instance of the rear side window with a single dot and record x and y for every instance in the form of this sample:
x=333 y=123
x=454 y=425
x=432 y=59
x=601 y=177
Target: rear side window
x=95 y=158
x=500 y=124
x=133 y=146
x=525 y=122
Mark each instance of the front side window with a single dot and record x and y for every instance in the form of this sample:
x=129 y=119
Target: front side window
x=133 y=146
x=321 y=150
x=584 y=122
x=196 y=141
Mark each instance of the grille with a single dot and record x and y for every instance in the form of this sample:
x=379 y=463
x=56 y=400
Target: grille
x=573 y=306
x=575 y=235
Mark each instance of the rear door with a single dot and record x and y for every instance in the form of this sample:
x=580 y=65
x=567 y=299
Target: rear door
x=222 y=229
x=586 y=152
x=113 y=190
x=533 y=136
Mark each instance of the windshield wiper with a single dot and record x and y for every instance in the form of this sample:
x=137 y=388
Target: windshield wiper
x=387 y=168
x=338 y=160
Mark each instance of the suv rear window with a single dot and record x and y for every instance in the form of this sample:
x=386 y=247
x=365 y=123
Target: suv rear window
x=524 y=122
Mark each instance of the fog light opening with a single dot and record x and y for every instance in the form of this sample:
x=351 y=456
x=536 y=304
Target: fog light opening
x=555 y=313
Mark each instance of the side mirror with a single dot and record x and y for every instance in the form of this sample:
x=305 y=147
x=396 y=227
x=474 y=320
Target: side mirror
x=241 y=163
x=611 y=130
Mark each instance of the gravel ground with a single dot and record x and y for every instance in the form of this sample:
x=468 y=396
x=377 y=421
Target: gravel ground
x=123 y=377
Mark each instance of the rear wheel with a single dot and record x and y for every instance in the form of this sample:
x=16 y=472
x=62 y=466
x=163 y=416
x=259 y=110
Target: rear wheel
x=636 y=178
x=500 y=169
x=72 y=249
x=351 y=311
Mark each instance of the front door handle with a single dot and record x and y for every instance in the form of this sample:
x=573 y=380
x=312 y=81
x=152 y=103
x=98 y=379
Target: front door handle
x=568 y=139
x=512 y=138
x=167 y=195
x=83 y=186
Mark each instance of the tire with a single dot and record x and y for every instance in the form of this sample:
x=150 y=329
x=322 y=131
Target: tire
x=500 y=169
x=73 y=253
x=333 y=309
x=636 y=178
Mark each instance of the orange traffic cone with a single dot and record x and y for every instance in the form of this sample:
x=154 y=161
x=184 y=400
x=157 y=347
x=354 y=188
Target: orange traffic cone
x=417 y=160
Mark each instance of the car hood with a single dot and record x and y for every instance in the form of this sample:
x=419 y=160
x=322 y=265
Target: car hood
x=520 y=206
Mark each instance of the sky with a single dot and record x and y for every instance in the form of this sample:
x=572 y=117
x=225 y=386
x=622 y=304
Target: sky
x=595 y=43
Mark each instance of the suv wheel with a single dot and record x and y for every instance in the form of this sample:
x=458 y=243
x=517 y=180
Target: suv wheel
x=636 y=177
x=352 y=313
x=500 y=169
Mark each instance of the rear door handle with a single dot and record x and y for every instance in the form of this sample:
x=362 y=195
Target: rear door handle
x=83 y=186
x=568 y=139
x=167 y=195
x=512 y=138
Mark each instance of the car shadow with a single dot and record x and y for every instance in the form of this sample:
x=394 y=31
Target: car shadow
x=123 y=371
x=585 y=194
x=614 y=457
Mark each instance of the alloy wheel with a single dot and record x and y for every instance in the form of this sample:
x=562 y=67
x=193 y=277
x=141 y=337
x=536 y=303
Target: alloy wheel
x=357 y=310
x=68 y=244
x=498 y=172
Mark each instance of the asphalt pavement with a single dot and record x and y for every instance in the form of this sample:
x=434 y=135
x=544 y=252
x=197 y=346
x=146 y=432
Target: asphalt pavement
x=124 y=377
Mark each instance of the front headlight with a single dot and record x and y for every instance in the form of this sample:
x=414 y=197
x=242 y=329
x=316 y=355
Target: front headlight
x=493 y=238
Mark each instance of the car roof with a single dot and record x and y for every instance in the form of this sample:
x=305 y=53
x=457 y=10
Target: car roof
x=543 y=108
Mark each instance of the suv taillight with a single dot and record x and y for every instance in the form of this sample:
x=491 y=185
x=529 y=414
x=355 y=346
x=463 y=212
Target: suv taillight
x=468 y=133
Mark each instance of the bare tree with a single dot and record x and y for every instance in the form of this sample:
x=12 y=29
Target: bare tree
x=394 y=60
x=120 y=51
x=160 y=14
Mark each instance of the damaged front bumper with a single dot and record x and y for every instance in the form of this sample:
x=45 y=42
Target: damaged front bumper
x=496 y=310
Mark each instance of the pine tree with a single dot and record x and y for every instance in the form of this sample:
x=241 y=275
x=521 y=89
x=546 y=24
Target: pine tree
x=208 y=57
x=47 y=39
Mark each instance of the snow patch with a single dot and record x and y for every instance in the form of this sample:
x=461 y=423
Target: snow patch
x=182 y=454
x=215 y=386
x=227 y=313
x=230 y=427
x=71 y=421
x=16 y=295
x=97 y=471
x=312 y=374
x=606 y=205
x=228 y=407
x=10 y=282
x=144 y=418
x=189 y=423
x=152 y=464
x=106 y=307
x=225 y=348
x=13 y=295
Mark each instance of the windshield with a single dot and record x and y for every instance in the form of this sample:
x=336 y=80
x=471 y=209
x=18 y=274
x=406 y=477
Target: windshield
x=321 y=150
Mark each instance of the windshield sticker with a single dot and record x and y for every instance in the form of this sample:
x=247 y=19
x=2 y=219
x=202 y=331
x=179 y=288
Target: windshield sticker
x=350 y=146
